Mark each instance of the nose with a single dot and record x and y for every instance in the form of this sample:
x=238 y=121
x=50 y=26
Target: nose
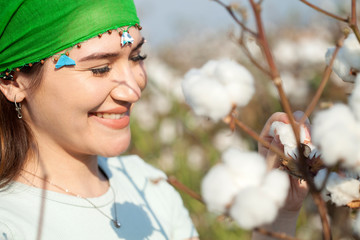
x=126 y=87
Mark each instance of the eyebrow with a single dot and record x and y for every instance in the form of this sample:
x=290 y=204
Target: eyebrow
x=97 y=56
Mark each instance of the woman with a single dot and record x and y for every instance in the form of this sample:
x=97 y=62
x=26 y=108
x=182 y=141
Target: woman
x=70 y=74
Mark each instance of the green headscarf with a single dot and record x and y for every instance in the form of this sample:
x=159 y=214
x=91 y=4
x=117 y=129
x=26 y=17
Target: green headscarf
x=32 y=30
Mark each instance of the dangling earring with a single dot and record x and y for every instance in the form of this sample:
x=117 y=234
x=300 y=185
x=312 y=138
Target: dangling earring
x=18 y=108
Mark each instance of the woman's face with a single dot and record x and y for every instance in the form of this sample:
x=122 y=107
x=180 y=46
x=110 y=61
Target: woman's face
x=85 y=109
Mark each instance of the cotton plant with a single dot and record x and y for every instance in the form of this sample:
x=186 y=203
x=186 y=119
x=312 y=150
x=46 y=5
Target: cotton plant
x=214 y=89
x=241 y=186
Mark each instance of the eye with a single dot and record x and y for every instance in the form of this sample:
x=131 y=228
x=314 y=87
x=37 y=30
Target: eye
x=100 y=71
x=138 y=58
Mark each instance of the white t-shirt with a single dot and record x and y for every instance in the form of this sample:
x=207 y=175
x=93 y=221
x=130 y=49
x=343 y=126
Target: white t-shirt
x=146 y=210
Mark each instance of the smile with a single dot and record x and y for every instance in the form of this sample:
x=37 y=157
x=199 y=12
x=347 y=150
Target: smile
x=111 y=115
x=112 y=120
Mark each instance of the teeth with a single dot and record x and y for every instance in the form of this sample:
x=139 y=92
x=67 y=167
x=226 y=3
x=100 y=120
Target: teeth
x=110 y=115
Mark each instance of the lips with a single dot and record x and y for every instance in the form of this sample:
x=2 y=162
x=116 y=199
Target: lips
x=116 y=118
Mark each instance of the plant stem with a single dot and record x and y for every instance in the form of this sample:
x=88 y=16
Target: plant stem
x=177 y=184
x=323 y=214
x=274 y=73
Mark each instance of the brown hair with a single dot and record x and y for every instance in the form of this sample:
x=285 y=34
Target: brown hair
x=16 y=138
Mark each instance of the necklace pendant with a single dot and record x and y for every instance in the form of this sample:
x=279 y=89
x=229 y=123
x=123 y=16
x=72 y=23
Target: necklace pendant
x=117 y=224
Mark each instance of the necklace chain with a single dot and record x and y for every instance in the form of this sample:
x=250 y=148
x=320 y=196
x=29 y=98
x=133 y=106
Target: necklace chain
x=114 y=221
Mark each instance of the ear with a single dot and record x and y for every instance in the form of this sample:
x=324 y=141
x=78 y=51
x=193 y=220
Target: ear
x=12 y=88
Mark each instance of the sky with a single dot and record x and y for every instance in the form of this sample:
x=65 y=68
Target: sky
x=166 y=20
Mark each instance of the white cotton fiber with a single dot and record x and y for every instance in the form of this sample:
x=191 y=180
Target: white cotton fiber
x=276 y=185
x=253 y=208
x=351 y=49
x=212 y=90
x=287 y=137
x=206 y=96
x=337 y=134
x=246 y=168
x=237 y=80
x=347 y=59
x=218 y=189
x=343 y=190
x=338 y=189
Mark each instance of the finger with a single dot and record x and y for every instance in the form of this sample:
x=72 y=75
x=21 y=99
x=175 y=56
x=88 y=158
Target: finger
x=272 y=159
x=278 y=116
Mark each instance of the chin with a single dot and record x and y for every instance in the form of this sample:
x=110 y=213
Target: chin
x=115 y=148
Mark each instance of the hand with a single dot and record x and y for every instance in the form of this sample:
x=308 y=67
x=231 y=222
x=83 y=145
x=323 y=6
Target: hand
x=298 y=188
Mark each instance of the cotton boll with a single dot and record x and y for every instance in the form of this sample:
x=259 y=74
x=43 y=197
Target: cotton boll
x=213 y=90
x=206 y=96
x=337 y=134
x=340 y=66
x=253 y=208
x=276 y=186
x=342 y=190
x=209 y=68
x=237 y=80
x=287 y=136
x=246 y=168
x=218 y=189
x=351 y=50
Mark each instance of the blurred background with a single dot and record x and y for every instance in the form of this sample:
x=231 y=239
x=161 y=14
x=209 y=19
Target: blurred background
x=185 y=34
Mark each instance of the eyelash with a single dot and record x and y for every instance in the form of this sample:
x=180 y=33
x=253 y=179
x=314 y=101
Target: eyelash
x=106 y=69
x=138 y=58
x=100 y=71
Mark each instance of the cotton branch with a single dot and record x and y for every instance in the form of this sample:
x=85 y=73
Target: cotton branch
x=179 y=185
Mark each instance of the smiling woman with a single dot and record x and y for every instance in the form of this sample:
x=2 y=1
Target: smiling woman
x=70 y=73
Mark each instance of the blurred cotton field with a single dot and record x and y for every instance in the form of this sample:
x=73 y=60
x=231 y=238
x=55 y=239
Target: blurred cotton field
x=173 y=132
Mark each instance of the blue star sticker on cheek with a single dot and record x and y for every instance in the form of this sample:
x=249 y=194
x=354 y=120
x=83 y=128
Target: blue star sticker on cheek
x=126 y=38
x=64 y=61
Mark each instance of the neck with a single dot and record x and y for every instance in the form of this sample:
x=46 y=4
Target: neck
x=79 y=174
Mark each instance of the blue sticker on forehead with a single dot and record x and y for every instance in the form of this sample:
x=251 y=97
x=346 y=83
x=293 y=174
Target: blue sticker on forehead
x=126 y=38
x=64 y=61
